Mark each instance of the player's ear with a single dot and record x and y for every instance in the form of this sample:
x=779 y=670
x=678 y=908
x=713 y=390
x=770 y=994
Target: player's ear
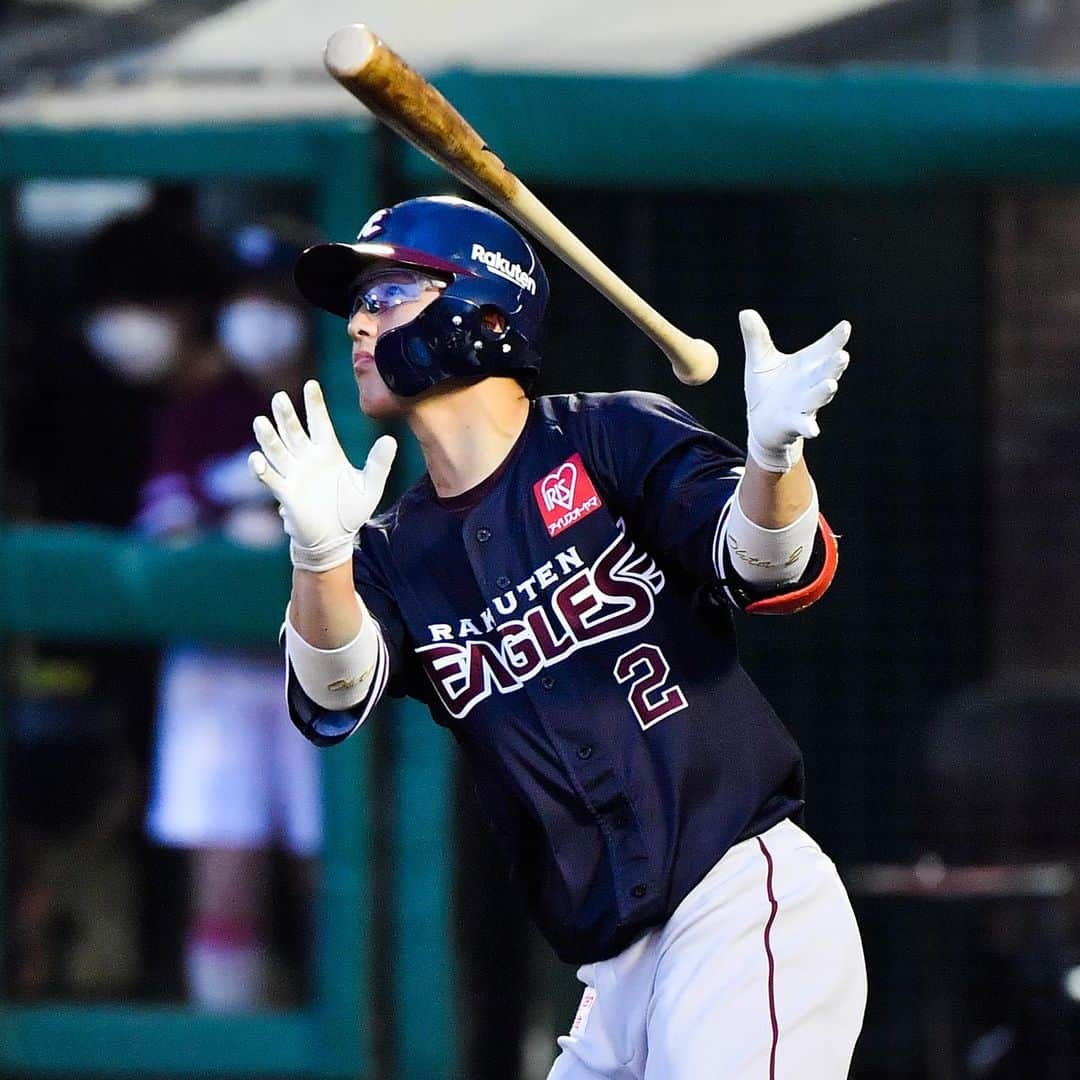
x=493 y=320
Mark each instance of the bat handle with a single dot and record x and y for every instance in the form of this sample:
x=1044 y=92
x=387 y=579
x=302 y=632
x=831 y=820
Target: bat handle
x=693 y=360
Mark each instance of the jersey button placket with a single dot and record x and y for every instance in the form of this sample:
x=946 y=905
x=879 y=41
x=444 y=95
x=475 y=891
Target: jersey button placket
x=596 y=781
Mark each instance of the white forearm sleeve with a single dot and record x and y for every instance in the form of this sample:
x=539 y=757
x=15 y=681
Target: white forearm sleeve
x=770 y=556
x=335 y=678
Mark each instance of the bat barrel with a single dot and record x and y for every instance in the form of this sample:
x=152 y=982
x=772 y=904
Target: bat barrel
x=408 y=104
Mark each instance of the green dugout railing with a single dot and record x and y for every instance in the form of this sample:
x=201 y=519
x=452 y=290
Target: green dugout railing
x=763 y=128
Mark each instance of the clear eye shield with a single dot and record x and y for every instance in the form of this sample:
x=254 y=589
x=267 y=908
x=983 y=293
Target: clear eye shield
x=384 y=289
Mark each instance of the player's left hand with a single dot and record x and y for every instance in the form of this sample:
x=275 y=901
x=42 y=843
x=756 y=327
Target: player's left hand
x=324 y=499
x=785 y=390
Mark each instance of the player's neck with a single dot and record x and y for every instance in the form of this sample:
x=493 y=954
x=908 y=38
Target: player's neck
x=466 y=432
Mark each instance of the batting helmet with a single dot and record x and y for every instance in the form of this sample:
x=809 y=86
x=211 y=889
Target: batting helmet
x=489 y=265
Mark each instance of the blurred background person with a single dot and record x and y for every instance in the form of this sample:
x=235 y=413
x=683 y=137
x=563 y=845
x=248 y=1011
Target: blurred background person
x=140 y=287
x=231 y=779
x=77 y=728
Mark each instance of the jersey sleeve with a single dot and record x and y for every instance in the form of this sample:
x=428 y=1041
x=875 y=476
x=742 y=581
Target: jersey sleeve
x=325 y=727
x=673 y=480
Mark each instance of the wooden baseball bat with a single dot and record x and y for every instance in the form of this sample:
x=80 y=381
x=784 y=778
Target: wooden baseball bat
x=406 y=102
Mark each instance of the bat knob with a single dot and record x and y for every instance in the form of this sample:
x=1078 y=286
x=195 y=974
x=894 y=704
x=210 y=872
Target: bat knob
x=694 y=362
x=349 y=49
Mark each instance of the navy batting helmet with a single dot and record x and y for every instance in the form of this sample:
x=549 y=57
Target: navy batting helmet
x=488 y=264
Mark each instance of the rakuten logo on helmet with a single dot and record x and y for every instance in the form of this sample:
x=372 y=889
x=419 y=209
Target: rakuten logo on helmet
x=373 y=226
x=502 y=267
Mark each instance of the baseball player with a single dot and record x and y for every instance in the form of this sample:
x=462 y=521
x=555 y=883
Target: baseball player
x=558 y=588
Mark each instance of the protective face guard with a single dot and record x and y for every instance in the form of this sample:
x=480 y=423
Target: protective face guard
x=450 y=338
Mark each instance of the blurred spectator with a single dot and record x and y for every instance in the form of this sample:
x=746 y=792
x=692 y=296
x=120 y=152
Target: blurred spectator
x=231 y=776
x=97 y=373
x=144 y=287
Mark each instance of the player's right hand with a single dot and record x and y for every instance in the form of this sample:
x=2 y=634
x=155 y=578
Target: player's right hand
x=324 y=500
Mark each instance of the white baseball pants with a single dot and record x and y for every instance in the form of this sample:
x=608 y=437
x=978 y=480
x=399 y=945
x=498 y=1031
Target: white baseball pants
x=758 y=975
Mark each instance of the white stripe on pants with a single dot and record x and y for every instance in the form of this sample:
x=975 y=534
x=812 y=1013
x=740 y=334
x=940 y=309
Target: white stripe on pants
x=758 y=975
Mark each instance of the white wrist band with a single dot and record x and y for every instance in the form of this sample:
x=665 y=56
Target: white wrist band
x=770 y=556
x=322 y=557
x=335 y=678
x=781 y=460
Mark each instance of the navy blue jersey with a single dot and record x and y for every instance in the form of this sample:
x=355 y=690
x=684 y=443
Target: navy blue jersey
x=570 y=621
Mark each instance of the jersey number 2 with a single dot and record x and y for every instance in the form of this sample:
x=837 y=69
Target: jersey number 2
x=648 y=695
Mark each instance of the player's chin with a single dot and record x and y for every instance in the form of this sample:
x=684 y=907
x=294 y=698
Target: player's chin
x=377 y=402
x=375 y=399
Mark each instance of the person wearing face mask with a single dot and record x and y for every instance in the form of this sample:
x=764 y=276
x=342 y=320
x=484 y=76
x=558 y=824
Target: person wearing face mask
x=232 y=780
x=134 y=341
x=128 y=327
x=142 y=287
x=260 y=326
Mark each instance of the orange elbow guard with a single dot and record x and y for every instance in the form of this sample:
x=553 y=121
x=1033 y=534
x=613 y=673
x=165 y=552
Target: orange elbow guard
x=786 y=603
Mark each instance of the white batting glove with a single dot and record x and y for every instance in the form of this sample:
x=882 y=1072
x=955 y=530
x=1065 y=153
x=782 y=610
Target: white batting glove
x=784 y=391
x=324 y=500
